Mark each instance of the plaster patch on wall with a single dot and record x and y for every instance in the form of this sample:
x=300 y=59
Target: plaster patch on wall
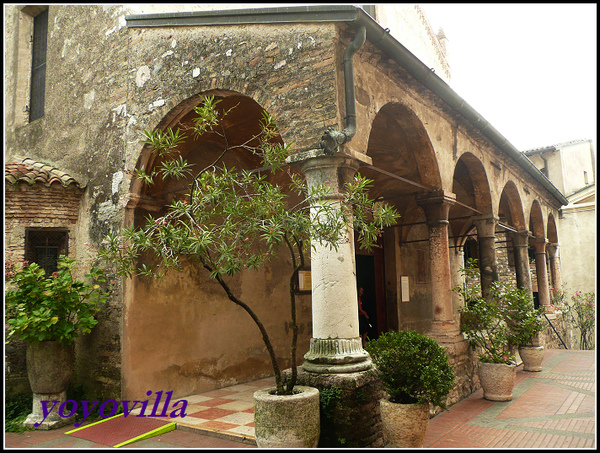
x=88 y=99
x=156 y=104
x=116 y=181
x=107 y=210
x=167 y=53
x=65 y=48
x=119 y=110
x=195 y=72
x=142 y=76
x=279 y=65
x=173 y=44
x=229 y=52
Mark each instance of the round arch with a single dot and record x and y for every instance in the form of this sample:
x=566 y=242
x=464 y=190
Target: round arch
x=181 y=332
x=536 y=221
x=510 y=208
x=471 y=187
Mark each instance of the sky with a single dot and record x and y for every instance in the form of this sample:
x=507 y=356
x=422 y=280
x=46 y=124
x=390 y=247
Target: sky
x=528 y=69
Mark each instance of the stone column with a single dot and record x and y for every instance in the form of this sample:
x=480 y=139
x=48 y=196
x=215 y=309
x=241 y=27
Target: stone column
x=444 y=329
x=542 y=274
x=554 y=255
x=335 y=346
x=520 y=242
x=486 y=236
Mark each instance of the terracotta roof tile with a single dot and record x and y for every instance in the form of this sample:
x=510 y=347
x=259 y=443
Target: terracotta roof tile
x=31 y=172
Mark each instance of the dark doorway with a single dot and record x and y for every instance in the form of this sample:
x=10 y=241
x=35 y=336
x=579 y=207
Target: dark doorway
x=365 y=279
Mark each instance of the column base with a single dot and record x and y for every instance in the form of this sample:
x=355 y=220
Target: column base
x=37 y=420
x=336 y=355
x=445 y=332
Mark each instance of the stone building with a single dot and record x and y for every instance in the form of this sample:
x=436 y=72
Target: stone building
x=348 y=95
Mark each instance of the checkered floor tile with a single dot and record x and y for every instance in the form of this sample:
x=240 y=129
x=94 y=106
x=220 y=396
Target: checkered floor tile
x=228 y=411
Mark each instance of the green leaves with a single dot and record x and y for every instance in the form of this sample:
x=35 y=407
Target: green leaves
x=57 y=307
x=412 y=367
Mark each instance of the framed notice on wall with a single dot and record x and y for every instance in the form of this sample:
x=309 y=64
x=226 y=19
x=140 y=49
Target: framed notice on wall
x=404 y=288
x=304 y=283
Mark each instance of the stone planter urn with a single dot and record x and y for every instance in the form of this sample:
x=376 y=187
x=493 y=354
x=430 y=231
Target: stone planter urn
x=404 y=425
x=287 y=421
x=49 y=369
x=532 y=357
x=497 y=380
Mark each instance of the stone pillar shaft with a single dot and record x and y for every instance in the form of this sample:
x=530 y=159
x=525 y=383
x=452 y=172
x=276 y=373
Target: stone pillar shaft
x=436 y=207
x=554 y=255
x=486 y=237
x=336 y=346
x=542 y=275
x=520 y=241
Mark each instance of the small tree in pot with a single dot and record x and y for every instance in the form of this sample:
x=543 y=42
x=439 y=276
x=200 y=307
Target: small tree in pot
x=49 y=313
x=233 y=221
x=483 y=322
x=525 y=322
x=414 y=372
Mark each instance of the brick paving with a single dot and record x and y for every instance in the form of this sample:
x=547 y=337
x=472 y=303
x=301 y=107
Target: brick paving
x=554 y=408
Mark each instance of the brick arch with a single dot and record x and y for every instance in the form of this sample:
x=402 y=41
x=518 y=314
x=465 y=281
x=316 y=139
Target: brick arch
x=536 y=221
x=511 y=206
x=471 y=187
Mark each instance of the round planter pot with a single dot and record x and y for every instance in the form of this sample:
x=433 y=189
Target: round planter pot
x=49 y=369
x=404 y=425
x=287 y=421
x=532 y=357
x=497 y=380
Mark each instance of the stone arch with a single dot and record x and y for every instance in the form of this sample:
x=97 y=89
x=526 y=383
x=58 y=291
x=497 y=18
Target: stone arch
x=471 y=187
x=400 y=145
x=510 y=209
x=211 y=342
x=536 y=221
x=405 y=167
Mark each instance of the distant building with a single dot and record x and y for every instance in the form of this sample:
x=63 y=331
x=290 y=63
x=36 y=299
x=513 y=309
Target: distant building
x=571 y=167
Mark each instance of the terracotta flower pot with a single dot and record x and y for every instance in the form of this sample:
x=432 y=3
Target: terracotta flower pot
x=497 y=380
x=404 y=425
x=532 y=357
x=287 y=421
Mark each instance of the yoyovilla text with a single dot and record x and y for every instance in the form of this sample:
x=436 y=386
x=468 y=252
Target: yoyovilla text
x=128 y=407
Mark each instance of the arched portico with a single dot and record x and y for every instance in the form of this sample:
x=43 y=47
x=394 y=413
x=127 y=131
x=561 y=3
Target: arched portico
x=474 y=212
x=512 y=218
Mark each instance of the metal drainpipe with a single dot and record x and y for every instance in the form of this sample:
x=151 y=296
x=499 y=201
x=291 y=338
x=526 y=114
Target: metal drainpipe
x=332 y=139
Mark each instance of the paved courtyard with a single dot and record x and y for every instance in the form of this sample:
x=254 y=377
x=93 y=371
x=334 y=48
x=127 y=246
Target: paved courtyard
x=554 y=408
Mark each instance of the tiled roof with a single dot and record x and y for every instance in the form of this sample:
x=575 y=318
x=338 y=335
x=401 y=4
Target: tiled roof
x=530 y=152
x=32 y=172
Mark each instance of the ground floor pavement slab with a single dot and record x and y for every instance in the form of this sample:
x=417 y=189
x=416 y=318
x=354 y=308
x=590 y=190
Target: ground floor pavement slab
x=554 y=408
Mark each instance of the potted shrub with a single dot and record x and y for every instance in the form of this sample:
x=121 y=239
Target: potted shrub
x=525 y=323
x=233 y=221
x=415 y=373
x=483 y=324
x=48 y=313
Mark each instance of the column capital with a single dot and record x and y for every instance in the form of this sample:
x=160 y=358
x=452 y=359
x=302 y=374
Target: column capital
x=520 y=238
x=436 y=205
x=486 y=225
x=540 y=245
x=553 y=249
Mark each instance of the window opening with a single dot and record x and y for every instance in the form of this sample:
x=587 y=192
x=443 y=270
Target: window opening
x=44 y=247
x=38 y=66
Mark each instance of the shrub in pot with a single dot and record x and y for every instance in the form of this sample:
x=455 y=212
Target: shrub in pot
x=233 y=221
x=525 y=322
x=48 y=313
x=483 y=322
x=414 y=372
